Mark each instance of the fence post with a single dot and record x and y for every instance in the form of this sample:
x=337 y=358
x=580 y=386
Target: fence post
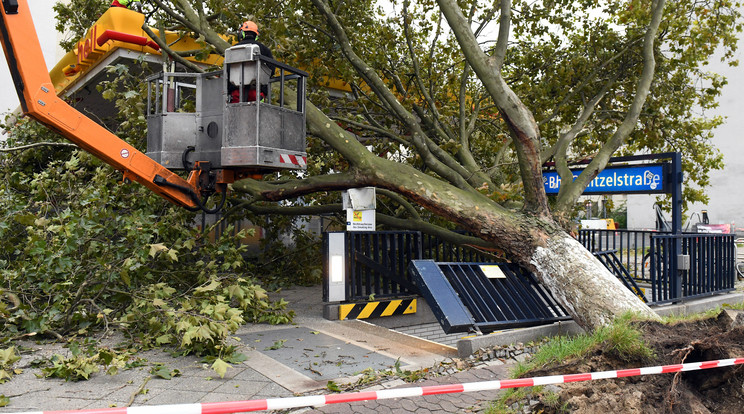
x=676 y=271
x=335 y=265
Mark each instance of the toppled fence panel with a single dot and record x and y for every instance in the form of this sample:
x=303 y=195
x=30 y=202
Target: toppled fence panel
x=484 y=297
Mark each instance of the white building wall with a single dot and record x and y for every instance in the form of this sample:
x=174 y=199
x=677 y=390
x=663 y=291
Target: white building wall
x=43 y=15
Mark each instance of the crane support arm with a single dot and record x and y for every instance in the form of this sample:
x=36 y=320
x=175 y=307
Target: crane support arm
x=40 y=101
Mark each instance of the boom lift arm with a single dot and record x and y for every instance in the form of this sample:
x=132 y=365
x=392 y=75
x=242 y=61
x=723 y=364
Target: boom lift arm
x=39 y=101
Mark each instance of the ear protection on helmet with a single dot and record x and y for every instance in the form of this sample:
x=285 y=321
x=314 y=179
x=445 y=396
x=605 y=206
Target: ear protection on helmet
x=247 y=26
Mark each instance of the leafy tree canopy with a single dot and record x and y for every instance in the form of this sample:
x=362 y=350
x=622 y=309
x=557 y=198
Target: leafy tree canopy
x=456 y=104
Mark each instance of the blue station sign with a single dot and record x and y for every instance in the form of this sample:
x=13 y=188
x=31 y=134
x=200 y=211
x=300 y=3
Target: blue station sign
x=646 y=178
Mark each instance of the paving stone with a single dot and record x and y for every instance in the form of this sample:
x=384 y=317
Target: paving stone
x=401 y=411
x=448 y=406
x=344 y=408
x=176 y=397
x=248 y=373
x=221 y=397
x=119 y=395
x=394 y=384
x=187 y=384
x=273 y=390
x=244 y=388
x=381 y=409
x=408 y=404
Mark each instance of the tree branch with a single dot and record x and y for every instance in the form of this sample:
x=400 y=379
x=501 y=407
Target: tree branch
x=520 y=120
x=192 y=21
x=377 y=130
x=400 y=200
x=564 y=203
x=378 y=86
x=432 y=229
x=264 y=190
x=39 y=144
x=174 y=55
x=560 y=149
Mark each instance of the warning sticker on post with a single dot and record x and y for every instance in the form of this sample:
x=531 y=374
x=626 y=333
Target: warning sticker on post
x=360 y=220
x=492 y=271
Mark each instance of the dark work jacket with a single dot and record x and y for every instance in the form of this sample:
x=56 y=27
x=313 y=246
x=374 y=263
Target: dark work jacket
x=265 y=51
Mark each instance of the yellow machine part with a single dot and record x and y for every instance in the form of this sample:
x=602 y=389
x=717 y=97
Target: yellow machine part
x=88 y=53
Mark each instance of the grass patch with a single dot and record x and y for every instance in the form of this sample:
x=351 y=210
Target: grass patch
x=504 y=404
x=712 y=313
x=621 y=339
x=514 y=400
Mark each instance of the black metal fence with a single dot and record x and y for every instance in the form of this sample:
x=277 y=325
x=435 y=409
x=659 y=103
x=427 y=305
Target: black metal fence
x=377 y=261
x=710 y=270
x=631 y=247
x=653 y=260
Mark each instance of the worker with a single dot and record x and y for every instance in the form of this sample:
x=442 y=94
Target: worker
x=248 y=35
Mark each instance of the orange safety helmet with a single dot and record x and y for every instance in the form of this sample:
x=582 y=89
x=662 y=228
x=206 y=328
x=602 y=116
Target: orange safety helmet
x=248 y=26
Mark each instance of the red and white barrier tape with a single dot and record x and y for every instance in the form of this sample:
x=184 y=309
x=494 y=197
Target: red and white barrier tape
x=317 y=400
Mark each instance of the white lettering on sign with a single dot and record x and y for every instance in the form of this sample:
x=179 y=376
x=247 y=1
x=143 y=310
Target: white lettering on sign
x=632 y=179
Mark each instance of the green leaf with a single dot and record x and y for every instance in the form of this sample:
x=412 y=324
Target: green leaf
x=108 y=94
x=4 y=400
x=220 y=367
x=163 y=372
x=210 y=287
x=8 y=357
x=173 y=255
x=25 y=219
x=332 y=386
x=164 y=339
x=277 y=345
x=236 y=358
x=4 y=376
x=156 y=248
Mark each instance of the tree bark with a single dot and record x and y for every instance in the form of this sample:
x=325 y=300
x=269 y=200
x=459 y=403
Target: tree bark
x=531 y=238
x=580 y=283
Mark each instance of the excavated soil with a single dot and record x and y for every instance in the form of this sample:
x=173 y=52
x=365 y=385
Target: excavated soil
x=717 y=390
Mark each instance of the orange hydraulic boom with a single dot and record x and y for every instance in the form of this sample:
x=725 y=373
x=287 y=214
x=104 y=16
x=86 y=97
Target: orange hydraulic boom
x=39 y=101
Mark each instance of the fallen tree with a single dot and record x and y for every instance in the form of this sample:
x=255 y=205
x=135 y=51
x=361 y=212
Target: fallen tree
x=444 y=126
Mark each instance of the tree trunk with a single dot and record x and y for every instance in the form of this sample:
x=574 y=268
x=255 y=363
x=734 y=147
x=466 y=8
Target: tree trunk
x=582 y=284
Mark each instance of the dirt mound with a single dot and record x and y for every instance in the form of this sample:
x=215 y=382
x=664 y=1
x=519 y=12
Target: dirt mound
x=717 y=390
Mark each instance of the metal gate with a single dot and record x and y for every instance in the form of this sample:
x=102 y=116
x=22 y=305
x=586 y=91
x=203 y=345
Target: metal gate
x=484 y=297
x=670 y=267
x=376 y=262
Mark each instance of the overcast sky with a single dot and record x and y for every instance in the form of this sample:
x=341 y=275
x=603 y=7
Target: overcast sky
x=43 y=16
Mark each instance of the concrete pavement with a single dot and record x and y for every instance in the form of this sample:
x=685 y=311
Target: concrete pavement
x=283 y=361
x=290 y=360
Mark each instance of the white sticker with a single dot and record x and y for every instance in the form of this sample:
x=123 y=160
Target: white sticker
x=493 y=272
x=125 y=153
